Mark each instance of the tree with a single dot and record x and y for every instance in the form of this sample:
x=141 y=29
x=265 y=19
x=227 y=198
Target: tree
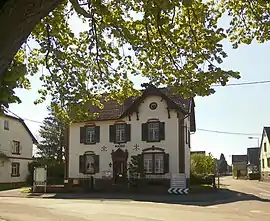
x=202 y=164
x=223 y=165
x=176 y=43
x=51 y=147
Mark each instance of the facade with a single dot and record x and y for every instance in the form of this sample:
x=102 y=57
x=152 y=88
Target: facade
x=16 y=146
x=265 y=154
x=239 y=165
x=146 y=138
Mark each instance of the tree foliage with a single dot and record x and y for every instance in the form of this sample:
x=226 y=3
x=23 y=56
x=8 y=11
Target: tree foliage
x=202 y=164
x=52 y=146
x=223 y=165
x=176 y=43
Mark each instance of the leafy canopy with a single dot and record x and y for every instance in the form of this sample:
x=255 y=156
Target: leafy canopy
x=202 y=164
x=175 y=43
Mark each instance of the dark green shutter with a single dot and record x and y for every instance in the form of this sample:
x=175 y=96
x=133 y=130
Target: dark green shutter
x=161 y=131
x=97 y=134
x=140 y=164
x=96 y=163
x=112 y=133
x=145 y=132
x=18 y=169
x=128 y=132
x=82 y=134
x=166 y=163
x=82 y=164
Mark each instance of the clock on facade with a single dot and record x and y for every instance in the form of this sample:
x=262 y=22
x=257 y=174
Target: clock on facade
x=153 y=105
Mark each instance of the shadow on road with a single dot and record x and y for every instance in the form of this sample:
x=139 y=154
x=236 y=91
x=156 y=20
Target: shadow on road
x=223 y=196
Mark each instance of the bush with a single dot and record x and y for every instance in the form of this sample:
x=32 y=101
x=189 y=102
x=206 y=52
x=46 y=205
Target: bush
x=200 y=179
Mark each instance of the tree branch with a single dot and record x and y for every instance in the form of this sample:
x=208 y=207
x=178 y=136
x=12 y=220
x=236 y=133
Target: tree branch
x=79 y=9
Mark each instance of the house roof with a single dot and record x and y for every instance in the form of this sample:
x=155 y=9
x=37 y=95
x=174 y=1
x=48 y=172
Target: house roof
x=113 y=110
x=239 y=158
x=266 y=130
x=24 y=125
x=253 y=155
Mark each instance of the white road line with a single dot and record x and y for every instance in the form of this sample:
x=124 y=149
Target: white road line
x=255 y=211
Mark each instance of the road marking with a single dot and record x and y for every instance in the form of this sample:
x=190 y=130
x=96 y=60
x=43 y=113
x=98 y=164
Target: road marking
x=255 y=211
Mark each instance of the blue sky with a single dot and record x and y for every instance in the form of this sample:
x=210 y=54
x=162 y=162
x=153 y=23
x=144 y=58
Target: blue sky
x=241 y=109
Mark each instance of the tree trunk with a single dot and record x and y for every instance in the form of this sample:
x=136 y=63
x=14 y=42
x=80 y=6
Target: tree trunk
x=17 y=20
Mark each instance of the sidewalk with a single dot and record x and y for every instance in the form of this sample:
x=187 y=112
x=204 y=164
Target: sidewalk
x=162 y=198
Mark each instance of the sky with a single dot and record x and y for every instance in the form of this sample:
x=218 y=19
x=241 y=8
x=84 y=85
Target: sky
x=240 y=109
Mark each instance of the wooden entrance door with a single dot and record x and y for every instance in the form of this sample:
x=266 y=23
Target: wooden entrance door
x=119 y=158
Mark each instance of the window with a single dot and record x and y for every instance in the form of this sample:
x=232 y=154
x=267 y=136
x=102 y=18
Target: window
x=153 y=131
x=89 y=163
x=120 y=132
x=6 y=125
x=15 y=147
x=264 y=147
x=148 y=163
x=262 y=163
x=268 y=162
x=154 y=163
x=15 y=169
x=90 y=135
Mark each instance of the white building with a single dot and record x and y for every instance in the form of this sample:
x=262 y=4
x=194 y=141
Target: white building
x=265 y=154
x=153 y=129
x=16 y=147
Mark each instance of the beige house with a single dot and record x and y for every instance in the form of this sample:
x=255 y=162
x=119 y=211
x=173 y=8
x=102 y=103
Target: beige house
x=16 y=146
x=147 y=137
x=265 y=154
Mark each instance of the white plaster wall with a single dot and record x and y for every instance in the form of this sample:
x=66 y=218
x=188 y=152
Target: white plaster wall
x=5 y=171
x=264 y=155
x=170 y=144
x=16 y=132
x=187 y=149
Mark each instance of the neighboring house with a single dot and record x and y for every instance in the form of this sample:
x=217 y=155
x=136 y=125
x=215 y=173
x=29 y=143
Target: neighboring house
x=265 y=154
x=16 y=146
x=239 y=165
x=253 y=162
x=150 y=133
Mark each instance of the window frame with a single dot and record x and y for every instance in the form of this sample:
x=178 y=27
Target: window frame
x=153 y=157
x=93 y=130
x=15 y=165
x=13 y=150
x=121 y=126
x=149 y=138
x=6 y=124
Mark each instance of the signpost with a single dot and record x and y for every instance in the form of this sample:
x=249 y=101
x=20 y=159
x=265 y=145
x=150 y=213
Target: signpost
x=40 y=178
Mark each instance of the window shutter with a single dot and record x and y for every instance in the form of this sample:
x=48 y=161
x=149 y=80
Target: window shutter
x=144 y=131
x=166 y=163
x=161 y=131
x=140 y=164
x=82 y=134
x=97 y=131
x=112 y=133
x=82 y=164
x=128 y=132
x=96 y=163
x=18 y=173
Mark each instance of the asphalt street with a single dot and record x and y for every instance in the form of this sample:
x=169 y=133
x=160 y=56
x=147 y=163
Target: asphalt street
x=254 y=206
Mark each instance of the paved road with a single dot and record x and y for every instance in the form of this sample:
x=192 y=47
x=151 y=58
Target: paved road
x=247 y=209
x=253 y=187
